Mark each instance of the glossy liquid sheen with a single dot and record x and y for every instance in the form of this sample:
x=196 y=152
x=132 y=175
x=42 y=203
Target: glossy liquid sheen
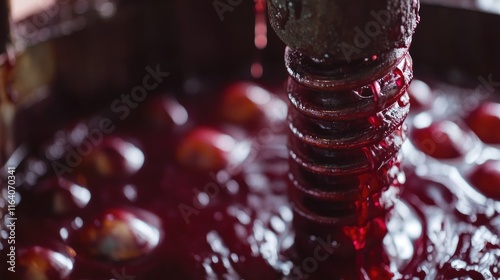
x=344 y=150
x=196 y=189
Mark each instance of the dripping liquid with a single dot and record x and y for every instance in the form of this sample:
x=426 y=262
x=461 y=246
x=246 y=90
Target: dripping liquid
x=345 y=159
x=260 y=38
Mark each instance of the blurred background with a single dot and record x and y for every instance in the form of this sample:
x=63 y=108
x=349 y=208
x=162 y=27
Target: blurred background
x=87 y=52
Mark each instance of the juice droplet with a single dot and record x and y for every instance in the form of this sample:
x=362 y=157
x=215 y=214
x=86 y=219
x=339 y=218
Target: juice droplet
x=260 y=6
x=256 y=70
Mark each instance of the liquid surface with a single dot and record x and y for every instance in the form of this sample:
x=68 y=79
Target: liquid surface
x=196 y=188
